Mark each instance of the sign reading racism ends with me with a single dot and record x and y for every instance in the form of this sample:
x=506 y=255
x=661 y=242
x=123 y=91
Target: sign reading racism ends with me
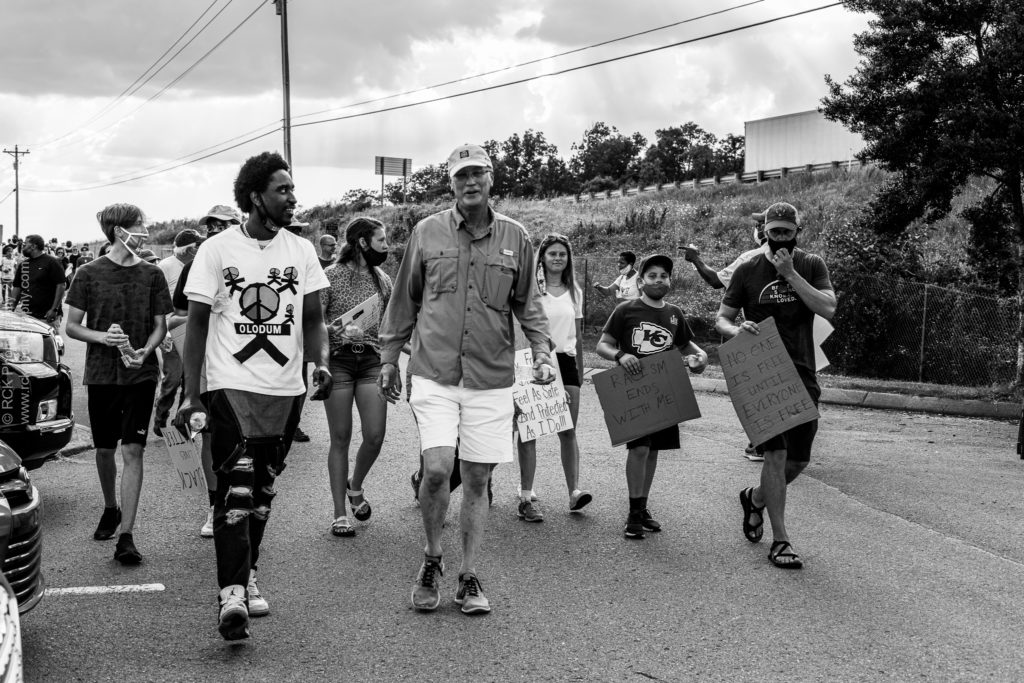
x=638 y=405
x=764 y=386
x=543 y=408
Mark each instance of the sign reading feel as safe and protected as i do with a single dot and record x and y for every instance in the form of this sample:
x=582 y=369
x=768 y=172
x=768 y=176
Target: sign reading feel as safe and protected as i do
x=543 y=408
x=766 y=391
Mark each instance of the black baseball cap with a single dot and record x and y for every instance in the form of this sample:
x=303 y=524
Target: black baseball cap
x=656 y=260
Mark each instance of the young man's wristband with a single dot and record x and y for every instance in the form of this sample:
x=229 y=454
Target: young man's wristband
x=618 y=356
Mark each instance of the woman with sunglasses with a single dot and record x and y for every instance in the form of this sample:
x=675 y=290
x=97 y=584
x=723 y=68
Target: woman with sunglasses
x=355 y=364
x=562 y=299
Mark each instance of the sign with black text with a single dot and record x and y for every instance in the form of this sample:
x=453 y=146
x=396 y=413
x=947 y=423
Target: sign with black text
x=543 y=408
x=766 y=391
x=188 y=464
x=638 y=405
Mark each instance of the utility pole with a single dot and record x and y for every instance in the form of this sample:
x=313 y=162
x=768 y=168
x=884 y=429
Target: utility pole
x=17 y=194
x=282 y=11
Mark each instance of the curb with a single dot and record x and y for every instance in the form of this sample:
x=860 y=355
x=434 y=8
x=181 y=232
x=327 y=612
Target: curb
x=882 y=401
x=81 y=441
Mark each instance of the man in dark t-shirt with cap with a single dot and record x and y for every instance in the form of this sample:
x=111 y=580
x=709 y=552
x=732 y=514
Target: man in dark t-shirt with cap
x=791 y=286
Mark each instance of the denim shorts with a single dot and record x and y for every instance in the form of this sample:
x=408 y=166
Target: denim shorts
x=349 y=368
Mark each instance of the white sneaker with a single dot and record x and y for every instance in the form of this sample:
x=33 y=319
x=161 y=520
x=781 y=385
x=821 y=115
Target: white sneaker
x=258 y=606
x=234 y=618
x=207 y=530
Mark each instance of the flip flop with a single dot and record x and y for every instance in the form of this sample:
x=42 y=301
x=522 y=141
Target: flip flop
x=752 y=532
x=781 y=550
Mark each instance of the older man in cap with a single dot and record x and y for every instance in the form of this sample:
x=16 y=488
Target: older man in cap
x=466 y=271
x=186 y=244
x=791 y=286
x=219 y=218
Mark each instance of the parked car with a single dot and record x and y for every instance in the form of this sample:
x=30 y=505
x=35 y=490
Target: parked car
x=36 y=417
x=21 y=539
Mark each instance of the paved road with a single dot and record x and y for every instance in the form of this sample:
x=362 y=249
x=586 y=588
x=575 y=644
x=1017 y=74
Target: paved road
x=910 y=526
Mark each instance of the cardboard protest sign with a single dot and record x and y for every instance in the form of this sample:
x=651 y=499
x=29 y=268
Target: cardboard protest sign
x=764 y=386
x=636 y=406
x=188 y=464
x=367 y=310
x=821 y=331
x=543 y=407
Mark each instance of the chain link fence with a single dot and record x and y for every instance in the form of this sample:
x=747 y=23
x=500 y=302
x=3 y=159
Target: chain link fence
x=885 y=329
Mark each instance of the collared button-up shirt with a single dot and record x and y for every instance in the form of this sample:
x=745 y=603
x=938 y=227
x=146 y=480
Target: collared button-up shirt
x=459 y=293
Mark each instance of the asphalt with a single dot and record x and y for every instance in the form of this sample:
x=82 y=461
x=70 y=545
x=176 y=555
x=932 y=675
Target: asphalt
x=81 y=441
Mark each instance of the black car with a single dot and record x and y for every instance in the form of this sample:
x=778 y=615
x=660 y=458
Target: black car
x=36 y=417
x=21 y=540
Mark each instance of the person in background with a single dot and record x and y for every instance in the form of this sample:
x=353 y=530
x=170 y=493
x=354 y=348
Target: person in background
x=216 y=221
x=562 y=301
x=149 y=256
x=328 y=245
x=186 y=244
x=39 y=283
x=791 y=286
x=626 y=286
x=641 y=328
x=123 y=302
x=466 y=272
x=721 y=279
x=7 y=265
x=355 y=365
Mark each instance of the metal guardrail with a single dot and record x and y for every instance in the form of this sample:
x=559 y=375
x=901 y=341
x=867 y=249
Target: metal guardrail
x=749 y=177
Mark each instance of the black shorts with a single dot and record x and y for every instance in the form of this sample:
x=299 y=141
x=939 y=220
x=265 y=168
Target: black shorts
x=797 y=442
x=568 y=369
x=662 y=440
x=120 y=412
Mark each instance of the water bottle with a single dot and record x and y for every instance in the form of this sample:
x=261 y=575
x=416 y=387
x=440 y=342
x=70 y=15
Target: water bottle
x=125 y=348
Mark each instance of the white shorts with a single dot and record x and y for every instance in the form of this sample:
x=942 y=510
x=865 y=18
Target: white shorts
x=479 y=420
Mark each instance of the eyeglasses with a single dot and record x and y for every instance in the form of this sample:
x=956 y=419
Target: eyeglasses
x=477 y=174
x=216 y=223
x=781 y=232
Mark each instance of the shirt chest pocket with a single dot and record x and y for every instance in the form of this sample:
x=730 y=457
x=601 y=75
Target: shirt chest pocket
x=442 y=271
x=499 y=275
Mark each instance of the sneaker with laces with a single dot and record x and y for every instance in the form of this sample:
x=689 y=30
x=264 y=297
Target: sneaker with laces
x=233 y=622
x=471 y=595
x=751 y=454
x=528 y=512
x=300 y=436
x=126 y=552
x=107 y=527
x=426 y=595
x=649 y=523
x=258 y=606
x=207 y=530
x=634 y=525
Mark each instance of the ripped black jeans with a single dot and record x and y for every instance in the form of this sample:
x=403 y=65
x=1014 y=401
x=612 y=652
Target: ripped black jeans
x=251 y=435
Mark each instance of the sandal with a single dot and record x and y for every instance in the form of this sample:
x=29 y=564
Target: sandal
x=782 y=550
x=362 y=511
x=753 y=532
x=342 y=527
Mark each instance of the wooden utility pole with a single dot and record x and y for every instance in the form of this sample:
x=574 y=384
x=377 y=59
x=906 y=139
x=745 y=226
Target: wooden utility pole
x=17 y=193
x=282 y=11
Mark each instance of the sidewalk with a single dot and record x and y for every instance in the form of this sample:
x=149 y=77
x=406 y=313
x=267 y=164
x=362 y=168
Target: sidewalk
x=882 y=400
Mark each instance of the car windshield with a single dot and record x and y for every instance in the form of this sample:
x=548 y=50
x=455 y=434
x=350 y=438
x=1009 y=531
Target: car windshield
x=22 y=347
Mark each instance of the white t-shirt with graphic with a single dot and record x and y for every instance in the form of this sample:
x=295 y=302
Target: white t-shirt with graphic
x=255 y=339
x=725 y=274
x=629 y=287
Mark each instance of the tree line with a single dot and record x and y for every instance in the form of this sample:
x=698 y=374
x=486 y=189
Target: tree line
x=529 y=166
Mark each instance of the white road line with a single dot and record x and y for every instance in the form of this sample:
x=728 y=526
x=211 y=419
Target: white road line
x=104 y=590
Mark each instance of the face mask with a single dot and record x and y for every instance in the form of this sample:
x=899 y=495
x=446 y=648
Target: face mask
x=788 y=245
x=268 y=222
x=373 y=257
x=133 y=240
x=655 y=292
x=625 y=270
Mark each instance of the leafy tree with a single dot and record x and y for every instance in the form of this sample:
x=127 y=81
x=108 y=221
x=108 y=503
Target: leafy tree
x=360 y=200
x=428 y=184
x=604 y=151
x=688 y=151
x=939 y=98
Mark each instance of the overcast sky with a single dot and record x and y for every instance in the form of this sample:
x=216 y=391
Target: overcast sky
x=66 y=63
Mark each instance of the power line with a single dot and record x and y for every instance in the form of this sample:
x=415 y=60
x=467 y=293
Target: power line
x=110 y=105
x=458 y=95
x=530 y=62
x=6 y=197
x=570 y=69
x=147 y=175
x=180 y=76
